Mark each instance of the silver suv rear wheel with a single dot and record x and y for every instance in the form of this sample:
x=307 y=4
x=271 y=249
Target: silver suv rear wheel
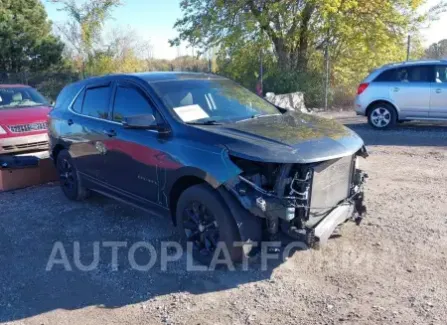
x=382 y=116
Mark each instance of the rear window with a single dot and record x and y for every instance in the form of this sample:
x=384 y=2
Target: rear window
x=96 y=102
x=20 y=97
x=66 y=96
x=77 y=105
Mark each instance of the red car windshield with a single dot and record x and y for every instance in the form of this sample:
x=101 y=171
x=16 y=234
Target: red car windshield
x=19 y=97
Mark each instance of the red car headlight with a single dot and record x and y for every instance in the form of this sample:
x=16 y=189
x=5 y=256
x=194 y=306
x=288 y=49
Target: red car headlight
x=2 y=130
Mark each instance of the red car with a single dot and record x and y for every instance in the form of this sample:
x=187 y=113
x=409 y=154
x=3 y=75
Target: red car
x=23 y=119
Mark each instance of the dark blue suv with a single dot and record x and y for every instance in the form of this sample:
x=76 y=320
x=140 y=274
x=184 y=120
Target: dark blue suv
x=224 y=164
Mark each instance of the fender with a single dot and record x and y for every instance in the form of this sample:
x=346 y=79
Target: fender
x=191 y=171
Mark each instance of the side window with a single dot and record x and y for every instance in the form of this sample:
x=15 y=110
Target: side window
x=77 y=105
x=407 y=74
x=441 y=74
x=129 y=101
x=419 y=73
x=387 y=76
x=96 y=102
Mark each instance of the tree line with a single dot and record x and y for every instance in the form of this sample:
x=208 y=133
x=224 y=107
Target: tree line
x=294 y=41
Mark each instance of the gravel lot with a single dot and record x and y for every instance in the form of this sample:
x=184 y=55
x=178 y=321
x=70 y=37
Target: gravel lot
x=390 y=270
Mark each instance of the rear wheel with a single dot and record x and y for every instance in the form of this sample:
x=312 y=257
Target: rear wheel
x=69 y=177
x=382 y=116
x=205 y=221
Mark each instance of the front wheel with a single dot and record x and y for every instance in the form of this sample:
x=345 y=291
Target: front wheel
x=205 y=221
x=382 y=116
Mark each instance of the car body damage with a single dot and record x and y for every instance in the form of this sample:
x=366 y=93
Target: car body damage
x=298 y=198
x=224 y=164
x=300 y=177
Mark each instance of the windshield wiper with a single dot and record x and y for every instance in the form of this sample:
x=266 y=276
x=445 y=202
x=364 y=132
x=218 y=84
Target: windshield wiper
x=255 y=116
x=208 y=122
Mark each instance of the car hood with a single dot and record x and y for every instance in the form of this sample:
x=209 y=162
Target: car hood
x=292 y=137
x=24 y=115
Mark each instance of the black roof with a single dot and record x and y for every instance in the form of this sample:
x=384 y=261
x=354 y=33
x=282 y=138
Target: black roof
x=150 y=77
x=157 y=76
x=173 y=75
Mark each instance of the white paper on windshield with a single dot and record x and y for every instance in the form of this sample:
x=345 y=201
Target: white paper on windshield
x=190 y=112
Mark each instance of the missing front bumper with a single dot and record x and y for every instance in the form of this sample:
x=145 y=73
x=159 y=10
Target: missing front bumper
x=291 y=215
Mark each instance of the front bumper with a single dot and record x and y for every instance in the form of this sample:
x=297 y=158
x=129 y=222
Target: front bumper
x=24 y=143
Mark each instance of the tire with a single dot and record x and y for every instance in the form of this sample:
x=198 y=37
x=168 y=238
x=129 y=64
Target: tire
x=216 y=214
x=69 y=178
x=382 y=116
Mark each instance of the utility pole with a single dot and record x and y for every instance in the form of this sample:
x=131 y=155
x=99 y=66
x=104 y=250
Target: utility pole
x=261 y=72
x=408 y=47
x=326 y=77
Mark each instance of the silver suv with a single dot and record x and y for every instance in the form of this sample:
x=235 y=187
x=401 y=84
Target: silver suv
x=415 y=90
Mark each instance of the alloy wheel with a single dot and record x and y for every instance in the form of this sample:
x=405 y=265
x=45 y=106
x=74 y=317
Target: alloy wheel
x=66 y=175
x=200 y=228
x=380 y=117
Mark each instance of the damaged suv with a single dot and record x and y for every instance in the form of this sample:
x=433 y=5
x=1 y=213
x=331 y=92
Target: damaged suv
x=224 y=164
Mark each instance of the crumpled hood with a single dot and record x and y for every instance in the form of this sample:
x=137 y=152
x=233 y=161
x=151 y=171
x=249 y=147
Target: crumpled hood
x=292 y=137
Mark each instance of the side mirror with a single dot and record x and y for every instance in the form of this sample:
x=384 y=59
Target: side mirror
x=146 y=121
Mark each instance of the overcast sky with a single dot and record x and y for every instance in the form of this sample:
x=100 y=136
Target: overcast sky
x=154 y=19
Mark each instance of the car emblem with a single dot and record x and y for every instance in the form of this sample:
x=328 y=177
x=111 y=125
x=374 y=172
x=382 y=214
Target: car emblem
x=34 y=127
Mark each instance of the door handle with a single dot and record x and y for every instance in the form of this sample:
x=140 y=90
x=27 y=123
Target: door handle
x=439 y=90
x=110 y=133
x=70 y=121
x=396 y=89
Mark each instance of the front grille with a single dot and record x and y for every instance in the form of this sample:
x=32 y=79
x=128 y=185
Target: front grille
x=26 y=146
x=331 y=184
x=22 y=128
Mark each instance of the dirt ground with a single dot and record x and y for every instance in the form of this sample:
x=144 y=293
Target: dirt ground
x=390 y=270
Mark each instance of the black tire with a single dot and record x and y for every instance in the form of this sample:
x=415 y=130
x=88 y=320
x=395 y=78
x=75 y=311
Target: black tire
x=69 y=178
x=382 y=116
x=215 y=208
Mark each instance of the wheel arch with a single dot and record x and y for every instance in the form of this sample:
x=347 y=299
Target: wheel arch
x=55 y=151
x=184 y=179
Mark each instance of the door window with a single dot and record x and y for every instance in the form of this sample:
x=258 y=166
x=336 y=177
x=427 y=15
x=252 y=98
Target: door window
x=387 y=76
x=441 y=74
x=407 y=74
x=96 y=102
x=129 y=101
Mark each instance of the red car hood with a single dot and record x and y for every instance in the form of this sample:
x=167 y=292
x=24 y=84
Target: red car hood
x=24 y=115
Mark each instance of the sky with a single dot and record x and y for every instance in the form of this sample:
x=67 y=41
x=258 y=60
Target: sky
x=153 y=20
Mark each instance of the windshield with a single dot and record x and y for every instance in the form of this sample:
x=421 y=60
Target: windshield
x=218 y=100
x=19 y=97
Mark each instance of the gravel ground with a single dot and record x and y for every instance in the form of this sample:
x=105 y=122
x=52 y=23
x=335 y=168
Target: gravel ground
x=390 y=270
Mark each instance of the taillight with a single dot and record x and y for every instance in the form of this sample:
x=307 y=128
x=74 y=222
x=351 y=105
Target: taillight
x=362 y=88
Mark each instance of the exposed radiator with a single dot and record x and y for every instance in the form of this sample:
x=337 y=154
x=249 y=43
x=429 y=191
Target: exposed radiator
x=331 y=184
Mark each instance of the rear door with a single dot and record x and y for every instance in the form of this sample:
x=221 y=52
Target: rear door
x=438 y=100
x=87 y=126
x=409 y=89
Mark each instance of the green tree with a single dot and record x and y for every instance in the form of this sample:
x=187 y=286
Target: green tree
x=437 y=50
x=26 y=42
x=84 y=28
x=294 y=28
